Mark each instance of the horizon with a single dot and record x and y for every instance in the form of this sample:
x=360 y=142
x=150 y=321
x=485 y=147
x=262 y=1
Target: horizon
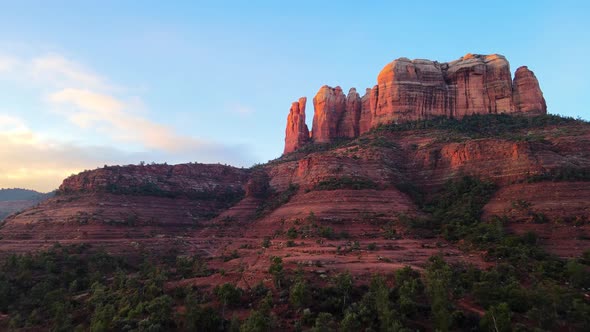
x=87 y=85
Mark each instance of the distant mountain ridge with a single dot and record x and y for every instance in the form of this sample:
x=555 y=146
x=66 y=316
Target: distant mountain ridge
x=16 y=199
x=19 y=194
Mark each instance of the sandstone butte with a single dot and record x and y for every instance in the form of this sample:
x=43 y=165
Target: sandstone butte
x=409 y=90
x=213 y=210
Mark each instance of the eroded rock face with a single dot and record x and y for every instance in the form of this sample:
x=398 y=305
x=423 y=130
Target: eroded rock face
x=419 y=89
x=527 y=96
x=329 y=106
x=349 y=124
x=296 y=133
x=409 y=90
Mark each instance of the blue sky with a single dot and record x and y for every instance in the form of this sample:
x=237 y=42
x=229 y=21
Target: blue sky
x=88 y=83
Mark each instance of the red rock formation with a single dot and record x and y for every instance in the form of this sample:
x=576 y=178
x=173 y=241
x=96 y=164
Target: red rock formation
x=409 y=90
x=418 y=89
x=349 y=124
x=527 y=96
x=329 y=107
x=296 y=134
x=481 y=84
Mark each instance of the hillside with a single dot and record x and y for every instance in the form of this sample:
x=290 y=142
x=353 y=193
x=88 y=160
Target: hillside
x=423 y=220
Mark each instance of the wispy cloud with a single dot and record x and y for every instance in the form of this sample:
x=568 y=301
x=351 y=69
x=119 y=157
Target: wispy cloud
x=90 y=102
x=112 y=116
x=60 y=71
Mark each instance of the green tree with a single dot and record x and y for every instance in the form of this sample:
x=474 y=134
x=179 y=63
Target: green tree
x=578 y=274
x=276 y=270
x=438 y=281
x=160 y=310
x=350 y=322
x=102 y=318
x=299 y=294
x=344 y=284
x=387 y=316
x=258 y=321
x=228 y=294
x=199 y=318
x=409 y=287
x=323 y=323
x=497 y=318
x=292 y=233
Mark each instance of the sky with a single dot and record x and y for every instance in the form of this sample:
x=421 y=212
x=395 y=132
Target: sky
x=90 y=83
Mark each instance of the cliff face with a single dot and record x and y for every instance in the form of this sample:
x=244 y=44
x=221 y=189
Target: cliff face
x=409 y=90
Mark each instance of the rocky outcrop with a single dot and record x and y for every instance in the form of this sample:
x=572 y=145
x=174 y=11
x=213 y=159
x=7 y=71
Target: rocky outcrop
x=296 y=134
x=527 y=95
x=409 y=90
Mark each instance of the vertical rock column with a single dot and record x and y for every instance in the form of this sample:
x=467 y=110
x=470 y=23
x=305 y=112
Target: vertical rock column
x=296 y=133
x=329 y=107
x=527 y=96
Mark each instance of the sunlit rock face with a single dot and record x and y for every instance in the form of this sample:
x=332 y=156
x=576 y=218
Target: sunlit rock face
x=349 y=123
x=296 y=133
x=409 y=90
x=418 y=89
x=329 y=108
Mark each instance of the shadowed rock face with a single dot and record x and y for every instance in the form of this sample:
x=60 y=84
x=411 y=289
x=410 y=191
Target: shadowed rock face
x=409 y=90
x=527 y=95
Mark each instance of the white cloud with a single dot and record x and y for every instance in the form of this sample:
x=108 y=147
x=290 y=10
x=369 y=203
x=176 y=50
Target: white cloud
x=92 y=103
x=60 y=71
x=113 y=117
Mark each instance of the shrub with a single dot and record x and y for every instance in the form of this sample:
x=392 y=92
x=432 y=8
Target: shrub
x=345 y=183
x=292 y=233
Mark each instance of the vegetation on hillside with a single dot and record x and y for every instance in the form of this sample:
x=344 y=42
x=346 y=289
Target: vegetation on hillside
x=504 y=126
x=485 y=125
x=77 y=289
